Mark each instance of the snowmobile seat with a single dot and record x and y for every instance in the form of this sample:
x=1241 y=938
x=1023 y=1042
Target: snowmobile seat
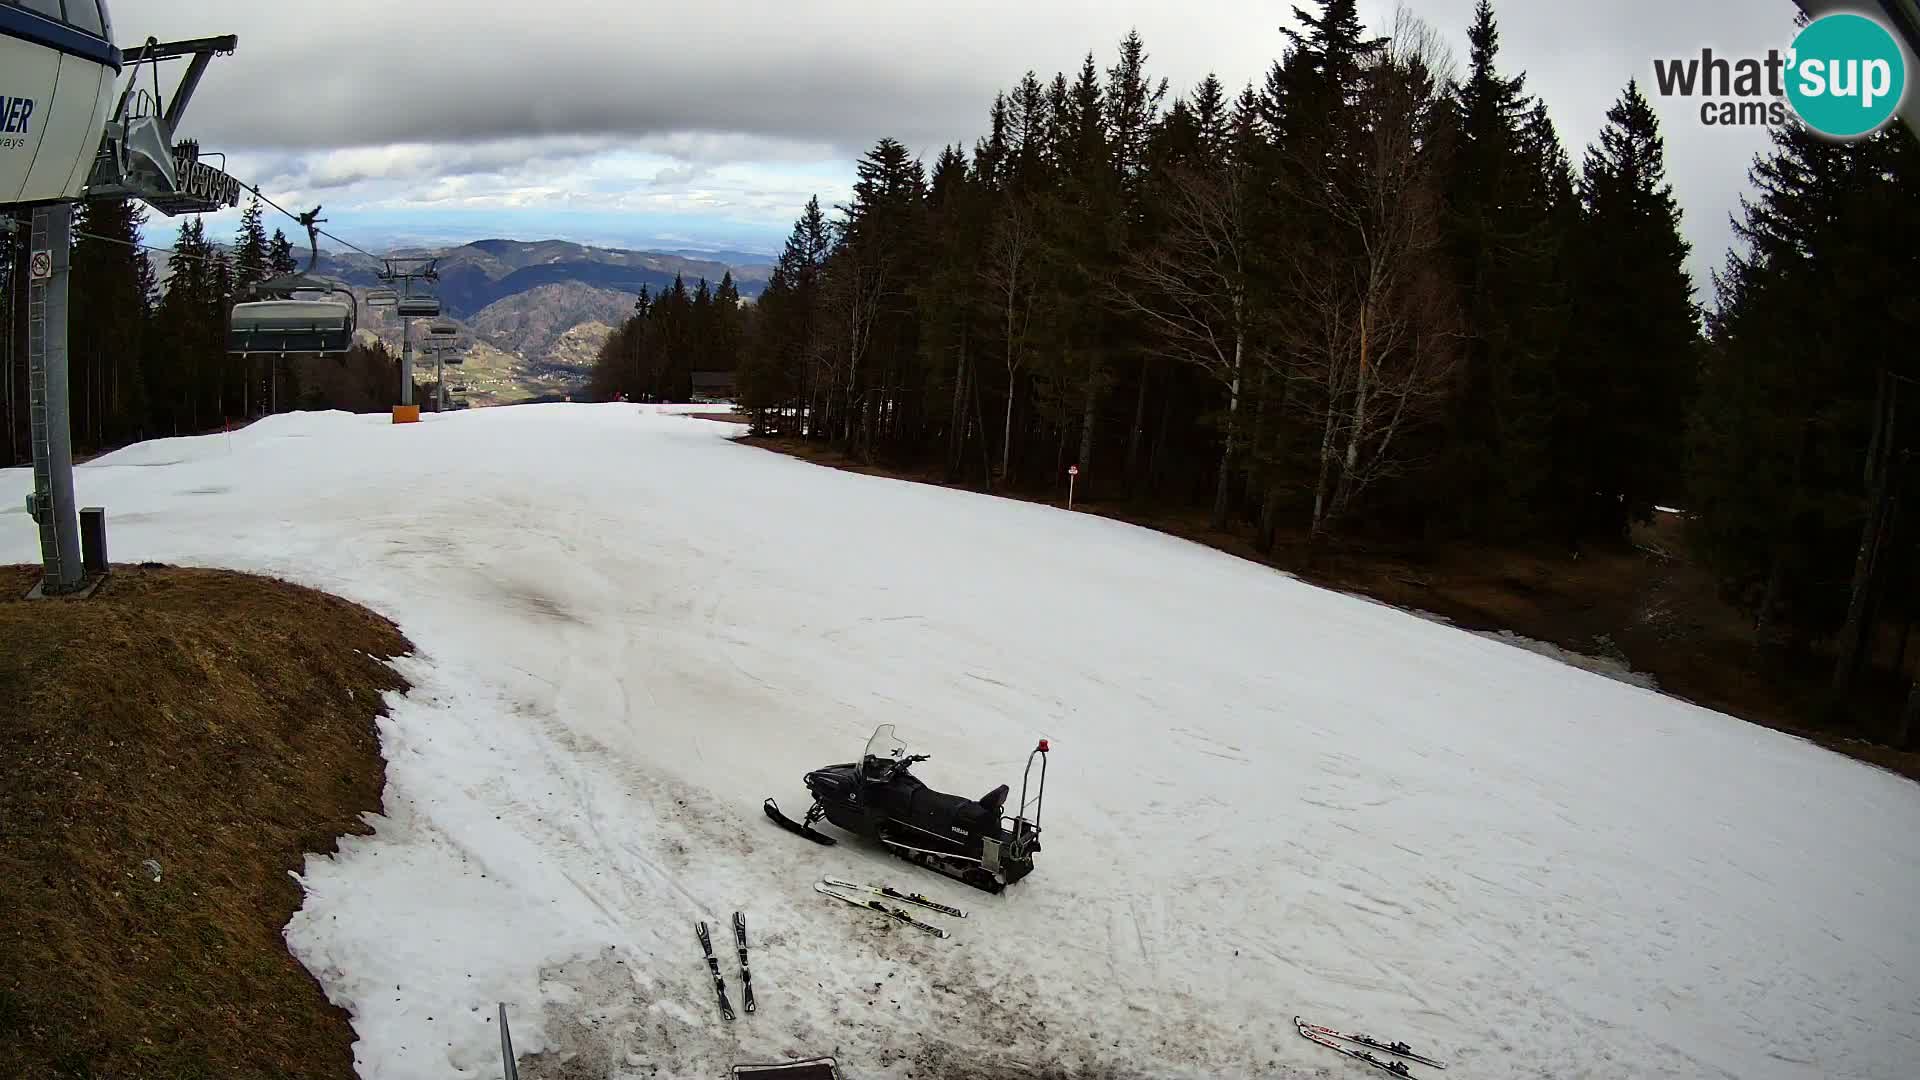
x=938 y=811
x=995 y=800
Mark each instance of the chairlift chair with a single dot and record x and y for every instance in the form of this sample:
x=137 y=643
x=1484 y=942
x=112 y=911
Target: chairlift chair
x=382 y=298
x=418 y=307
x=280 y=322
x=291 y=325
x=444 y=330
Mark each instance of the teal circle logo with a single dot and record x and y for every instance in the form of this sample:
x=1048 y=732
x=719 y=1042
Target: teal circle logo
x=1845 y=75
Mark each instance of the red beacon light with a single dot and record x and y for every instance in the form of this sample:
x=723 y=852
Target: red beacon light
x=1043 y=746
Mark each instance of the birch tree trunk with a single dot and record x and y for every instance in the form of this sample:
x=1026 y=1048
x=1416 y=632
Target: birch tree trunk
x=1233 y=416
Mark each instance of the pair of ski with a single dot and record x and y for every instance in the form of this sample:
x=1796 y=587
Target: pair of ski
x=1332 y=1040
x=842 y=890
x=713 y=965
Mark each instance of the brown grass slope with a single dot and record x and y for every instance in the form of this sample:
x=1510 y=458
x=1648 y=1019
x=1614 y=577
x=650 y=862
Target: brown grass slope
x=220 y=725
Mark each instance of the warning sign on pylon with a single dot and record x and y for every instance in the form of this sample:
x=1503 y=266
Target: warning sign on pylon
x=40 y=268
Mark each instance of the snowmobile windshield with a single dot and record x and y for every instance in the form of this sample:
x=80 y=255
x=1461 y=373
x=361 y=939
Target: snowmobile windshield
x=883 y=746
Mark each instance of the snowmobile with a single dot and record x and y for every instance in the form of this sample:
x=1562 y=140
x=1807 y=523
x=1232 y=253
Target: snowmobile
x=878 y=798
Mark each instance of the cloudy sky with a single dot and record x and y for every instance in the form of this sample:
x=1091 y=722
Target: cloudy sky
x=708 y=125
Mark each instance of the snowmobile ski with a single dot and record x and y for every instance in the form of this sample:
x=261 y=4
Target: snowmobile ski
x=1393 y=1068
x=895 y=914
x=773 y=811
x=713 y=965
x=889 y=891
x=746 y=976
x=1397 y=1049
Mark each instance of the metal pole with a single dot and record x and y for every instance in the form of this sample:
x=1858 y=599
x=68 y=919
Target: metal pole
x=439 y=380
x=52 y=241
x=406 y=361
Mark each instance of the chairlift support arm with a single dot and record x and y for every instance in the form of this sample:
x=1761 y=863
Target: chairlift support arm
x=202 y=51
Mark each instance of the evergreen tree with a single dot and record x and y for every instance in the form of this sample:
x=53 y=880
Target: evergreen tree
x=950 y=339
x=147 y=282
x=868 y=291
x=778 y=381
x=1132 y=104
x=1503 y=241
x=701 y=329
x=1627 y=376
x=186 y=370
x=252 y=251
x=1027 y=122
x=990 y=155
x=252 y=263
x=1326 y=60
x=230 y=396
x=670 y=343
x=280 y=256
x=107 y=323
x=1798 y=336
x=1085 y=235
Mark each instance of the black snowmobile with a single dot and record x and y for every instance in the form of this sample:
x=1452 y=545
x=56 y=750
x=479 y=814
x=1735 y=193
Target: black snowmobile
x=878 y=798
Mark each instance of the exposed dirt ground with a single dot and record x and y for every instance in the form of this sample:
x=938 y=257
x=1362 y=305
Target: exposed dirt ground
x=206 y=728
x=1644 y=604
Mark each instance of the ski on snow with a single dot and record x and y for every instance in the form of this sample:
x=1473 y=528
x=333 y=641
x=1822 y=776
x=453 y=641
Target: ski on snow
x=746 y=976
x=713 y=965
x=906 y=898
x=1330 y=1039
x=1397 y=1049
x=895 y=914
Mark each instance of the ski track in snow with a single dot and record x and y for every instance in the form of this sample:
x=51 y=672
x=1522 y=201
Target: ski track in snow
x=1266 y=798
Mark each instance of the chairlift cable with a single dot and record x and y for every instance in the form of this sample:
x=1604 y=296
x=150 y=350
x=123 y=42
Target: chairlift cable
x=263 y=197
x=255 y=188
x=231 y=261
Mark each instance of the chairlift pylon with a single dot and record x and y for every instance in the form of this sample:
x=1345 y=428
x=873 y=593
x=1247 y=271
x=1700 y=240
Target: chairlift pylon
x=281 y=323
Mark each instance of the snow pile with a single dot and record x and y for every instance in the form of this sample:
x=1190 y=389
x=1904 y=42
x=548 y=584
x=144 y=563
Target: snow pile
x=1266 y=798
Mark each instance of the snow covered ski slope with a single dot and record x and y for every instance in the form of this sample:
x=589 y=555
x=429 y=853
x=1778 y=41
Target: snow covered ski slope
x=1265 y=799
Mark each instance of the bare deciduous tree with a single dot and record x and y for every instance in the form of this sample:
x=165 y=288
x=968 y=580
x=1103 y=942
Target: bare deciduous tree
x=1369 y=321
x=1192 y=289
x=1008 y=271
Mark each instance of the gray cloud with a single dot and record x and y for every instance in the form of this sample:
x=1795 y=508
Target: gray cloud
x=431 y=90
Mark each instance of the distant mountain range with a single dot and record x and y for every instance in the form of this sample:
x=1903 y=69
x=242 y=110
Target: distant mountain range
x=477 y=275
x=542 y=340
x=534 y=313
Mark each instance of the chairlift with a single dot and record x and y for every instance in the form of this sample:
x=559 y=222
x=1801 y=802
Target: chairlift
x=279 y=322
x=418 y=307
x=444 y=330
x=382 y=298
x=454 y=360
